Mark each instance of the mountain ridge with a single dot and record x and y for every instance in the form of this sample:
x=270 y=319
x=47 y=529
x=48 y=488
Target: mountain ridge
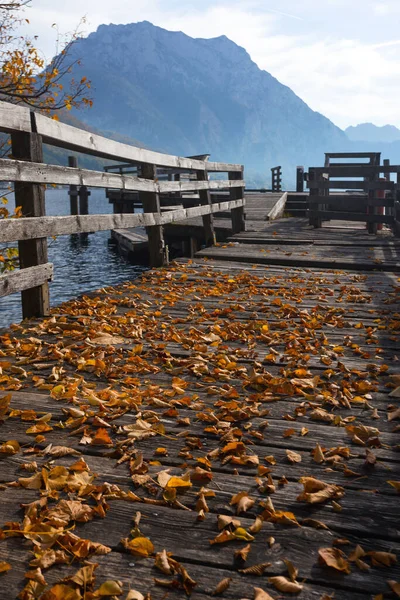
x=189 y=96
x=368 y=132
x=193 y=95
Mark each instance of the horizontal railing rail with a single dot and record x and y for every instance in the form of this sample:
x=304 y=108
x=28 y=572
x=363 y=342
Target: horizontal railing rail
x=30 y=130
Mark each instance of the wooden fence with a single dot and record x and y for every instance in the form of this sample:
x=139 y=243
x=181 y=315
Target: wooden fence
x=373 y=198
x=29 y=131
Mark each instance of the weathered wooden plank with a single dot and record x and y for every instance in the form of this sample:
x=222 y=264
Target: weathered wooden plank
x=25 y=279
x=237 y=214
x=352 y=185
x=369 y=155
x=26 y=172
x=278 y=209
x=207 y=218
x=367 y=171
x=14 y=118
x=72 y=138
x=30 y=228
x=73 y=189
x=151 y=205
x=32 y=252
x=140 y=574
x=351 y=216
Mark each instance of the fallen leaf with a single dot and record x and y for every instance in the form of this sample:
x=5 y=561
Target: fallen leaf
x=334 y=558
x=222 y=586
x=285 y=585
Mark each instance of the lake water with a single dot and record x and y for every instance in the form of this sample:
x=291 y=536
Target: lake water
x=81 y=263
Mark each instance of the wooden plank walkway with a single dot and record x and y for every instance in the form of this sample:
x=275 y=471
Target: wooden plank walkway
x=236 y=415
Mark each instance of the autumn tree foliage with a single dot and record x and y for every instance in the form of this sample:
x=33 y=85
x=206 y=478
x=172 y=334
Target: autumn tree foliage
x=26 y=79
x=24 y=76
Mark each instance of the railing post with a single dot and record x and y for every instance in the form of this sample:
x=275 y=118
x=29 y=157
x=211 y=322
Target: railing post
x=151 y=204
x=300 y=179
x=371 y=208
x=73 y=189
x=396 y=227
x=237 y=214
x=208 y=220
x=314 y=219
x=30 y=196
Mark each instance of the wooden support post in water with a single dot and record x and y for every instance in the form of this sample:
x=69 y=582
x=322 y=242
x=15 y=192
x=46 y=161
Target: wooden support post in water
x=237 y=214
x=30 y=196
x=208 y=220
x=151 y=203
x=73 y=189
x=84 y=194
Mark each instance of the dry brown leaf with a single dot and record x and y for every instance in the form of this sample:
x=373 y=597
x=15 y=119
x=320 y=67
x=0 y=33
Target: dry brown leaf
x=4 y=567
x=292 y=570
x=316 y=491
x=134 y=595
x=225 y=520
x=318 y=455
x=285 y=585
x=382 y=559
x=394 y=586
x=222 y=586
x=293 y=457
x=242 y=501
x=260 y=594
x=162 y=562
x=335 y=558
x=256 y=569
x=243 y=553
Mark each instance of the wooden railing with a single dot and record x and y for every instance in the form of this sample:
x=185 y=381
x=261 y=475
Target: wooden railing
x=276 y=179
x=29 y=131
x=373 y=199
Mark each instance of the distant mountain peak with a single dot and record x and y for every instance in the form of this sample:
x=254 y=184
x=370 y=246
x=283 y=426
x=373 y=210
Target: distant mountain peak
x=368 y=132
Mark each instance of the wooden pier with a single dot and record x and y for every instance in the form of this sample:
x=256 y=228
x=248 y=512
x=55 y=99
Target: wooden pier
x=226 y=426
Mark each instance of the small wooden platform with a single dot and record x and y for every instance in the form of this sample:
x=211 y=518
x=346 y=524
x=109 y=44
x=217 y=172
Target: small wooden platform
x=293 y=242
x=238 y=379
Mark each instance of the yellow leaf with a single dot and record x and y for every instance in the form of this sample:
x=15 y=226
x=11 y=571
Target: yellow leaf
x=139 y=546
x=110 y=588
x=4 y=567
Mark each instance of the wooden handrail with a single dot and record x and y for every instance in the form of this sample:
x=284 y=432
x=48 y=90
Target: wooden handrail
x=29 y=130
x=28 y=228
x=17 y=118
x=29 y=172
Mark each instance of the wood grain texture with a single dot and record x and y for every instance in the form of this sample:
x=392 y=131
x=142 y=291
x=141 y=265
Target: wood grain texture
x=278 y=209
x=25 y=279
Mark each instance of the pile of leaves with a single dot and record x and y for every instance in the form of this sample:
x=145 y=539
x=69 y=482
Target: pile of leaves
x=204 y=390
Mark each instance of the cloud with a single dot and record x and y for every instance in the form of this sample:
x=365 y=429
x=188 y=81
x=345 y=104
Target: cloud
x=347 y=69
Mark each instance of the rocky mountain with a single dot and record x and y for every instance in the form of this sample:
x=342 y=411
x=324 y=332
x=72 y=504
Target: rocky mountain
x=190 y=96
x=368 y=132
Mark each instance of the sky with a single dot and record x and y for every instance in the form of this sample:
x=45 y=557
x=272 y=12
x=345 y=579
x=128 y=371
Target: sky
x=342 y=57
